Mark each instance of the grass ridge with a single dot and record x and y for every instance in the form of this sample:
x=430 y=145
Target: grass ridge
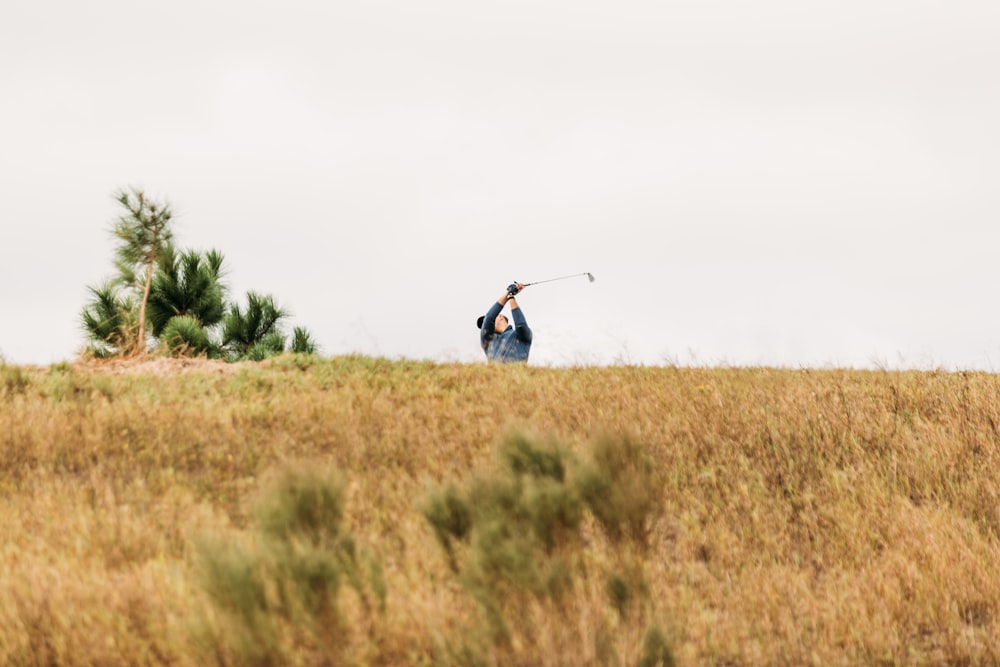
x=802 y=516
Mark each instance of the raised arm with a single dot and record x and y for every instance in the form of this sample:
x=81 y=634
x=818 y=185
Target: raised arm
x=521 y=328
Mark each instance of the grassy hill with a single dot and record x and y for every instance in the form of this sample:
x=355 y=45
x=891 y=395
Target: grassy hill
x=354 y=510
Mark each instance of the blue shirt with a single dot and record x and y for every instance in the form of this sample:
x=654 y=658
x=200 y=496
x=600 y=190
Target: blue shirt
x=510 y=346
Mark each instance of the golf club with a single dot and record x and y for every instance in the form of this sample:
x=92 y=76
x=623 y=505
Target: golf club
x=590 y=277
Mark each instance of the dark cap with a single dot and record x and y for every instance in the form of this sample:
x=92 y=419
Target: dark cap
x=479 y=322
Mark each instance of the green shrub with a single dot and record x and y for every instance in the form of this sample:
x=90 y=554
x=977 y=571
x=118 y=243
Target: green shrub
x=513 y=527
x=523 y=457
x=451 y=518
x=622 y=488
x=236 y=581
x=270 y=345
x=278 y=594
x=184 y=335
x=516 y=539
x=13 y=380
x=656 y=650
x=302 y=506
x=302 y=342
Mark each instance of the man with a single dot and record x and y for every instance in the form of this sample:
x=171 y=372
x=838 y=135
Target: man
x=502 y=342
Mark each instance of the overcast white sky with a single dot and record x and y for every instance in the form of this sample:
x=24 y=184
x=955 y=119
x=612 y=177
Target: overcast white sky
x=777 y=182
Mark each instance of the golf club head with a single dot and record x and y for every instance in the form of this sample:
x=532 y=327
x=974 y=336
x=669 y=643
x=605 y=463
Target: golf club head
x=590 y=277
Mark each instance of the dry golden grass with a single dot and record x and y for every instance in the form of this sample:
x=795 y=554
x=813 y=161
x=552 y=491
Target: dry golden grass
x=808 y=516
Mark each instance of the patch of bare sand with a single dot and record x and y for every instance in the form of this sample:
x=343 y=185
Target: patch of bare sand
x=159 y=366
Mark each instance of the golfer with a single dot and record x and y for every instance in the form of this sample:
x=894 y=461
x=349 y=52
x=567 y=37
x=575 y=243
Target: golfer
x=502 y=342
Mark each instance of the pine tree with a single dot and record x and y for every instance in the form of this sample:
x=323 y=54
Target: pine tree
x=144 y=234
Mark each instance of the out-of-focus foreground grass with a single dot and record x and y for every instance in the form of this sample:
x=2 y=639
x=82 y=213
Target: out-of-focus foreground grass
x=362 y=511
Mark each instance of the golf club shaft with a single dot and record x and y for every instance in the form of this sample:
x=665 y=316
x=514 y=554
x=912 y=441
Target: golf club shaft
x=539 y=282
